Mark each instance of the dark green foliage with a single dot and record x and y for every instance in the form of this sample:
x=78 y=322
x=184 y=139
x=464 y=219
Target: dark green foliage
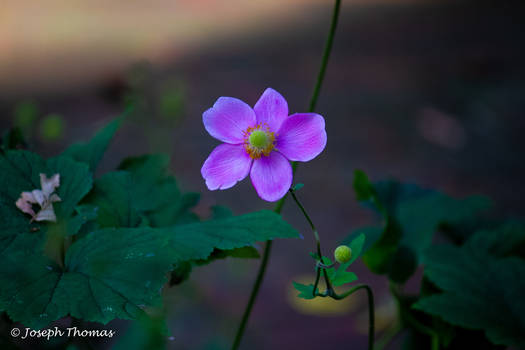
x=481 y=289
x=338 y=276
x=115 y=241
x=91 y=152
x=305 y=291
x=410 y=216
x=21 y=172
x=141 y=194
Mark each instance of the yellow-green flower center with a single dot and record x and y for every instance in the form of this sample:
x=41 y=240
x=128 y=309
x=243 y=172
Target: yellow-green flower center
x=259 y=139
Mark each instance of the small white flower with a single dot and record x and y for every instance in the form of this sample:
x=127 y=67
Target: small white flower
x=44 y=198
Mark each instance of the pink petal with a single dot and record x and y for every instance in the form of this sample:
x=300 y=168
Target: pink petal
x=24 y=203
x=271 y=109
x=49 y=185
x=39 y=197
x=46 y=214
x=228 y=119
x=271 y=176
x=226 y=165
x=301 y=137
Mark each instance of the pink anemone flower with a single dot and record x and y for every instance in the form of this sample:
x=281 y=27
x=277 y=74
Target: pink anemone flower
x=260 y=141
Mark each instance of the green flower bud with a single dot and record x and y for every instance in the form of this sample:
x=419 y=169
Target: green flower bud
x=342 y=254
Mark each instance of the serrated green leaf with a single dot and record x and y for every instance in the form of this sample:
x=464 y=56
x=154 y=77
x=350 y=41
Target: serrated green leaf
x=341 y=277
x=421 y=217
x=479 y=292
x=21 y=172
x=142 y=193
x=220 y=212
x=411 y=216
x=84 y=214
x=248 y=252
x=92 y=151
x=109 y=274
x=198 y=240
x=305 y=291
x=505 y=240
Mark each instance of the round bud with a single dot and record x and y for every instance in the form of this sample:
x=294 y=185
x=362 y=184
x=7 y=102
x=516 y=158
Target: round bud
x=342 y=254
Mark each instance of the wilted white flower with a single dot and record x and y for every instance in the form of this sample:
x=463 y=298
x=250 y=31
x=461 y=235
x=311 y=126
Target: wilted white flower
x=44 y=198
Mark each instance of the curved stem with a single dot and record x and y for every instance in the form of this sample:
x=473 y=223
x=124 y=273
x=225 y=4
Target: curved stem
x=326 y=56
x=279 y=206
x=317 y=240
x=371 y=309
x=253 y=295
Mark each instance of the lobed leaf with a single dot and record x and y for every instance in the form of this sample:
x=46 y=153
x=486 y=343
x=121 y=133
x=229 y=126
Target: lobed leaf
x=92 y=151
x=479 y=290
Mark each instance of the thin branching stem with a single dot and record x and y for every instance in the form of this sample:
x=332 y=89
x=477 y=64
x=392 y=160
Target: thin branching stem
x=279 y=206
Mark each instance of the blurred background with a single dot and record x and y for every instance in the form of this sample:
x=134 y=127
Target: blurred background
x=431 y=92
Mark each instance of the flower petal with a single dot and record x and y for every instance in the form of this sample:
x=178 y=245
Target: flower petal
x=47 y=213
x=228 y=119
x=271 y=109
x=271 y=176
x=301 y=137
x=226 y=165
x=24 y=203
x=49 y=185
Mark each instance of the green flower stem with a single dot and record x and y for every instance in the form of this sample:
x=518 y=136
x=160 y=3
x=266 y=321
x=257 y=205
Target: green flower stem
x=317 y=242
x=253 y=295
x=371 y=308
x=326 y=56
x=330 y=292
x=279 y=206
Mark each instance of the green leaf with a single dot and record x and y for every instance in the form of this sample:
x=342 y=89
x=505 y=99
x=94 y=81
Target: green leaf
x=91 y=152
x=198 y=240
x=248 y=252
x=411 y=216
x=402 y=265
x=363 y=188
x=109 y=274
x=116 y=198
x=420 y=218
x=340 y=277
x=21 y=172
x=149 y=332
x=305 y=291
x=142 y=193
x=506 y=240
x=372 y=234
x=298 y=186
x=220 y=212
x=356 y=245
x=85 y=214
x=378 y=258
x=479 y=292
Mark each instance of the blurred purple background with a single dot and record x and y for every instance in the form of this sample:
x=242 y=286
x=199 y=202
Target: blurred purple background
x=431 y=92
